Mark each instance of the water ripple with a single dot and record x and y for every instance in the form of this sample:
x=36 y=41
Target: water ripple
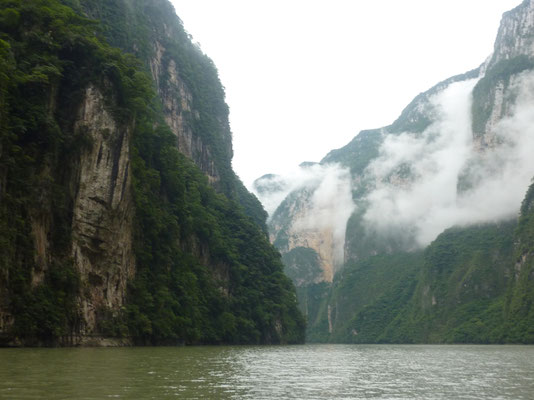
x=277 y=372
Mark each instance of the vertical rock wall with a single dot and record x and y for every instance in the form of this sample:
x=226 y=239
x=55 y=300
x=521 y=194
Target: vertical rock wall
x=179 y=112
x=103 y=210
x=514 y=37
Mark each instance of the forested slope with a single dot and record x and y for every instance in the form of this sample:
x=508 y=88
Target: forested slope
x=120 y=218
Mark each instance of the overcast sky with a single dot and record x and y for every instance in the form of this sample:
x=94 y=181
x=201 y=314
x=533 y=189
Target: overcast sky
x=303 y=77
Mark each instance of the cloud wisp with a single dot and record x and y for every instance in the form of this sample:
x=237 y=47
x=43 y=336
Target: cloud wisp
x=421 y=183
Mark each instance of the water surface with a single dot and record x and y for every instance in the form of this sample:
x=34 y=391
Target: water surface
x=278 y=372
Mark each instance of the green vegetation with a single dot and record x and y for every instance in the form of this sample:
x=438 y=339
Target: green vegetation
x=174 y=297
x=312 y=301
x=302 y=264
x=363 y=241
x=519 y=302
x=205 y=271
x=461 y=286
x=365 y=297
x=358 y=153
x=457 y=291
x=44 y=48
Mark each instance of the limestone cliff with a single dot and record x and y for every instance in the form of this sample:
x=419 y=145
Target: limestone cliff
x=103 y=209
x=305 y=226
x=182 y=75
x=121 y=220
x=297 y=234
x=179 y=112
x=514 y=37
x=495 y=95
x=97 y=187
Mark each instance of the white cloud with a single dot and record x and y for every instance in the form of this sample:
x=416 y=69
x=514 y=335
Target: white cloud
x=424 y=183
x=431 y=200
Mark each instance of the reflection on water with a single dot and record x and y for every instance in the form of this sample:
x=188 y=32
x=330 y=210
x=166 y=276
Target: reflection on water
x=292 y=372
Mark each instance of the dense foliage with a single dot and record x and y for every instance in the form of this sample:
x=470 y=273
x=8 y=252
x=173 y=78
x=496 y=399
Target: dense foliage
x=358 y=153
x=174 y=297
x=136 y=26
x=460 y=292
x=453 y=292
x=302 y=264
x=365 y=297
x=519 y=302
x=47 y=54
x=205 y=272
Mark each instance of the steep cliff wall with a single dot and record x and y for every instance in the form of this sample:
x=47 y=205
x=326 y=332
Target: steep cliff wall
x=67 y=205
x=179 y=114
x=111 y=229
x=185 y=79
x=103 y=210
x=187 y=83
x=502 y=83
x=494 y=96
x=514 y=37
x=306 y=225
x=288 y=232
x=519 y=301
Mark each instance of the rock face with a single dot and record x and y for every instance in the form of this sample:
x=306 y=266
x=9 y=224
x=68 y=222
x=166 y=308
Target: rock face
x=515 y=38
x=179 y=112
x=299 y=234
x=192 y=100
x=101 y=236
x=495 y=95
x=305 y=226
x=103 y=211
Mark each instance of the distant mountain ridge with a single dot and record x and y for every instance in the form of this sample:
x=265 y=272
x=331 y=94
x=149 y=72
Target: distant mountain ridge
x=456 y=156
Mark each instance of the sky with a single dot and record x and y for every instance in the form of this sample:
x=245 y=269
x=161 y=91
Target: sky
x=303 y=77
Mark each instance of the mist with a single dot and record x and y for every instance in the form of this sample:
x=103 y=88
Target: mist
x=431 y=181
x=422 y=183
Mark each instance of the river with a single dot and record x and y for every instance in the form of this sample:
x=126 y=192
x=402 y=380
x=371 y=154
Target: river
x=270 y=372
